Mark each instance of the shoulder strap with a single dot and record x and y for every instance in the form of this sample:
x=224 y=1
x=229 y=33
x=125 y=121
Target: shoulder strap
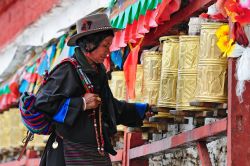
x=83 y=77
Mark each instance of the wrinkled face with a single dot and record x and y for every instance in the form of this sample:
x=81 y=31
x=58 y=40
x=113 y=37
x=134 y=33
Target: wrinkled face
x=101 y=52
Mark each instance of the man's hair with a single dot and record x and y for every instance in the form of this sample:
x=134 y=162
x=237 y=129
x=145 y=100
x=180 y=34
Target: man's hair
x=90 y=42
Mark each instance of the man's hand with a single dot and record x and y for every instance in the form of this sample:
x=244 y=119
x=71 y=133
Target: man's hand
x=91 y=100
x=152 y=110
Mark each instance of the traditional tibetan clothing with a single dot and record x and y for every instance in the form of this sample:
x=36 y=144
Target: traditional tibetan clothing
x=61 y=99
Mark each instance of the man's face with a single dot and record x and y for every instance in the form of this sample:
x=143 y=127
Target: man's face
x=101 y=52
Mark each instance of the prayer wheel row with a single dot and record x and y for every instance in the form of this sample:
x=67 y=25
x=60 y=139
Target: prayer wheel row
x=14 y=131
x=201 y=72
x=189 y=68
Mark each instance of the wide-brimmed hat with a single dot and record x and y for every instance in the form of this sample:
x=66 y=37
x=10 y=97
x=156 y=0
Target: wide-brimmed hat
x=89 y=25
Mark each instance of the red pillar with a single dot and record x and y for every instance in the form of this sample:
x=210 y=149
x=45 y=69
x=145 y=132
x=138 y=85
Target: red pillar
x=203 y=153
x=238 y=132
x=131 y=140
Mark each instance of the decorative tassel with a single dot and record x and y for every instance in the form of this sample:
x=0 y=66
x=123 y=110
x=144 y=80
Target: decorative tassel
x=29 y=137
x=243 y=65
x=239 y=35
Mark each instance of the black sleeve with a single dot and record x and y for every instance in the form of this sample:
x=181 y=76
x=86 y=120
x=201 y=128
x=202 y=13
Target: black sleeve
x=126 y=113
x=61 y=95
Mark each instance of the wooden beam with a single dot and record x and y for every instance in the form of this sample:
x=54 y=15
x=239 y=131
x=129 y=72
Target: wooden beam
x=203 y=153
x=152 y=38
x=117 y=157
x=132 y=139
x=186 y=139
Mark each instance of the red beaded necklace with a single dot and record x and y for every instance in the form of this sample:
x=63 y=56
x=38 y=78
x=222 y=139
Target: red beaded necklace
x=99 y=135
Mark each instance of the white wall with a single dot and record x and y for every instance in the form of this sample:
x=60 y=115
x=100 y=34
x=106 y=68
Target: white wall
x=47 y=27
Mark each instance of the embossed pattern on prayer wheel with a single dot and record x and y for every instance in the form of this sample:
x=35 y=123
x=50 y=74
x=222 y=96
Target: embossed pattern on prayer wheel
x=38 y=142
x=6 y=130
x=1 y=132
x=187 y=72
x=151 y=76
x=169 y=69
x=17 y=133
x=117 y=85
x=212 y=67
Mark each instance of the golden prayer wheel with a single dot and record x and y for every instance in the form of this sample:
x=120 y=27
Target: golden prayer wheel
x=212 y=67
x=117 y=85
x=17 y=133
x=6 y=130
x=1 y=132
x=187 y=72
x=169 y=69
x=38 y=142
x=151 y=76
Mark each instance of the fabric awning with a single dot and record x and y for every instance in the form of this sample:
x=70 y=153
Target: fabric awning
x=137 y=19
x=133 y=23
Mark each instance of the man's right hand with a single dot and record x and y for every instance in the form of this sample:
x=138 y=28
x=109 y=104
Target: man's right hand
x=92 y=101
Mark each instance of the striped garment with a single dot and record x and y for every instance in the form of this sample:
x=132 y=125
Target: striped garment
x=81 y=154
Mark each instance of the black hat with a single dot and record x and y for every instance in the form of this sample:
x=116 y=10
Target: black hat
x=89 y=25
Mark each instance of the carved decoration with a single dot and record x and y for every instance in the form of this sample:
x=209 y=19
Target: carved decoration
x=169 y=68
x=151 y=76
x=117 y=85
x=187 y=72
x=212 y=68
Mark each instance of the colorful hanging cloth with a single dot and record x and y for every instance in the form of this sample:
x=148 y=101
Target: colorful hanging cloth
x=129 y=69
x=29 y=77
x=238 y=11
x=9 y=93
x=116 y=57
x=59 y=48
x=71 y=51
x=136 y=20
x=64 y=53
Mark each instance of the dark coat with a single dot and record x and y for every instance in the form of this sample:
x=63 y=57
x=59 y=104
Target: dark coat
x=64 y=83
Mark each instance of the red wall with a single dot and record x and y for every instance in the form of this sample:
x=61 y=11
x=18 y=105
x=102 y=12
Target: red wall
x=16 y=15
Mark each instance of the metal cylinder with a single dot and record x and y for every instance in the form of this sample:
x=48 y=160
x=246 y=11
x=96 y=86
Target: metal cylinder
x=17 y=133
x=187 y=72
x=212 y=67
x=151 y=76
x=38 y=142
x=117 y=85
x=6 y=130
x=169 y=69
x=1 y=132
